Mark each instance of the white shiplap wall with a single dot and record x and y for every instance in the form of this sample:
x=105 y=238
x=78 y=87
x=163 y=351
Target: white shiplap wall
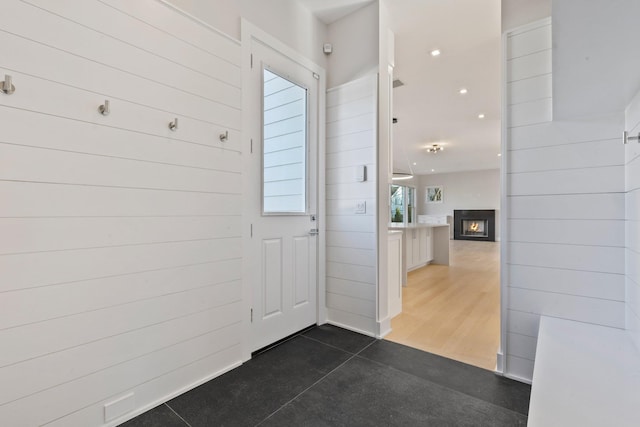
x=565 y=195
x=632 y=233
x=351 y=237
x=120 y=255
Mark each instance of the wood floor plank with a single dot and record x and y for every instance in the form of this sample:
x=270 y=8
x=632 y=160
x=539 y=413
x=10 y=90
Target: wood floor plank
x=454 y=310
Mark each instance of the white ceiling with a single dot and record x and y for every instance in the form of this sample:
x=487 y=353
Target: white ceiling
x=429 y=108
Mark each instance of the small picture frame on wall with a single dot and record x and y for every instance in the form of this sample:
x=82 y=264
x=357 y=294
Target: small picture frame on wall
x=434 y=194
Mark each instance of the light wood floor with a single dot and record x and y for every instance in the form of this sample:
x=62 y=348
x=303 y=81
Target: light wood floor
x=454 y=310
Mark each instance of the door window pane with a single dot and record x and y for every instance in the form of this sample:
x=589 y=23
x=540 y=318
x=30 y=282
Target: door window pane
x=284 y=145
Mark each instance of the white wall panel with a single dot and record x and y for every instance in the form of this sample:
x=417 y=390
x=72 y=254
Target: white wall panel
x=632 y=241
x=572 y=282
x=351 y=237
x=566 y=206
x=121 y=250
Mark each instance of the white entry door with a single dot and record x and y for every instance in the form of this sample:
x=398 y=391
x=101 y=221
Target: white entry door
x=284 y=196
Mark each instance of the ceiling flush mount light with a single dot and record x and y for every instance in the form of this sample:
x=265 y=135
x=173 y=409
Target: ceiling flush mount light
x=499 y=154
x=481 y=116
x=435 y=52
x=463 y=91
x=399 y=176
x=435 y=148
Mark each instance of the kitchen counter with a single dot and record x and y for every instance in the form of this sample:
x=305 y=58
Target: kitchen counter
x=422 y=244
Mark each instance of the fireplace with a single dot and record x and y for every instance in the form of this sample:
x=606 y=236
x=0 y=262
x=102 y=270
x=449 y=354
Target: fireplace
x=474 y=225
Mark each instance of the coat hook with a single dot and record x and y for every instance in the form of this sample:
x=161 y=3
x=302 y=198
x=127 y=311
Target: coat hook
x=7 y=85
x=104 y=108
x=224 y=136
x=174 y=124
x=626 y=138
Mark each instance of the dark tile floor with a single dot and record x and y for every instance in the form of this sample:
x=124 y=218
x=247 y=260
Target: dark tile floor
x=327 y=376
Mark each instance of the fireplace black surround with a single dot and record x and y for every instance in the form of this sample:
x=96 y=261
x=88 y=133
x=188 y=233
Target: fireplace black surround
x=474 y=225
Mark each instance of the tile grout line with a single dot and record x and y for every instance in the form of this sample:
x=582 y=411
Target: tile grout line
x=177 y=414
x=353 y=355
x=328 y=345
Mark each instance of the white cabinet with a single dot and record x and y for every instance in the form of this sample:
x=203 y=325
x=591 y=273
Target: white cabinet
x=418 y=247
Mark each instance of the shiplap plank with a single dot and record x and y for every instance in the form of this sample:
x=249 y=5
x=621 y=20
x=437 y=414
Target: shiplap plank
x=50 y=302
x=83 y=264
x=111 y=52
x=354 y=191
x=606 y=179
x=358 y=273
x=154 y=391
x=529 y=42
x=55 y=65
x=366 y=291
x=351 y=91
x=523 y=323
x=83 y=328
x=600 y=259
x=522 y=346
x=351 y=109
x=106 y=20
x=571 y=282
x=27 y=199
x=532 y=112
x=65 y=398
x=519 y=367
x=83 y=137
x=356 y=306
x=571 y=156
x=35 y=375
x=528 y=90
x=578 y=232
x=364 y=257
x=164 y=18
x=353 y=141
x=358 y=223
x=565 y=132
x=40 y=165
x=582 y=309
x=48 y=234
x=632 y=265
x=604 y=206
x=528 y=66
x=359 y=123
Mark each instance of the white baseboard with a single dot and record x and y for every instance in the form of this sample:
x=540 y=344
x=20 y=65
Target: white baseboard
x=499 y=363
x=517 y=378
x=351 y=328
x=170 y=396
x=384 y=327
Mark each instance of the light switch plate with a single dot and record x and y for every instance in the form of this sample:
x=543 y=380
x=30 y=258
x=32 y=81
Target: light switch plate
x=361 y=207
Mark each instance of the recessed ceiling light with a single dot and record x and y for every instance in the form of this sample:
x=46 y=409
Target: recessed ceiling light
x=481 y=116
x=414 y=163
x=435 y=52
x=463 y=91
x=499 y=154
x=433 y=170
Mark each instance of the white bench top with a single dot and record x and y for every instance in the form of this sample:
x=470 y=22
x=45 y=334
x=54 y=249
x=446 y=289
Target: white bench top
x=584 y=375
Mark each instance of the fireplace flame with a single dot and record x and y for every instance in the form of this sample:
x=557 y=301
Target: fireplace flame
x=474 y=227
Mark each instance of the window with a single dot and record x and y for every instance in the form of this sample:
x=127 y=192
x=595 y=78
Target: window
x=284 y=146
x=403 y=202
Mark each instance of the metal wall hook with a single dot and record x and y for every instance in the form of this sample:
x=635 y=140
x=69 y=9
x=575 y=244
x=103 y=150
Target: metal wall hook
x=7 y=85
x=174 y=124
x=104 y=108
x=626 y=138
x=224 y=136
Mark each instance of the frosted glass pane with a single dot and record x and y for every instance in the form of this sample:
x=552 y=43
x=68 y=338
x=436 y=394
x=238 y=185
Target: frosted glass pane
x=284 y=145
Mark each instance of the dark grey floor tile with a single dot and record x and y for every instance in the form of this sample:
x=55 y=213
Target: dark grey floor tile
x=341 y=338
x=160 y=416
x=365 y=393
x=468 y=379
x=248 y=394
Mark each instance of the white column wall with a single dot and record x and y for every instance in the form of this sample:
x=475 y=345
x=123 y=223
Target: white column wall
x=632 y=216
x=121 y=240
x=351 y=237
x=565 y=202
